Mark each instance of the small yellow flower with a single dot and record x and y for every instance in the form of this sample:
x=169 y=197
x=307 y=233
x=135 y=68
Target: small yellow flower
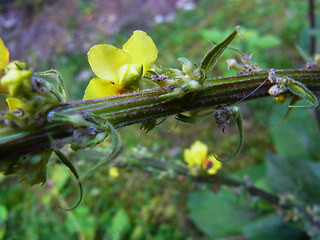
x=197 y=158
x=114 y=172
x=119 y=69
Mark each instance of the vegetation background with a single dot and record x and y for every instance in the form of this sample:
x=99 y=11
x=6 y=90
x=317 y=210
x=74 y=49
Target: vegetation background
x=278 y=156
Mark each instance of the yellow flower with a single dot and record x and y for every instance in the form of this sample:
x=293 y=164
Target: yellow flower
x=197 y=158
x=114 y=172
x=119 y=69
x=16 y=79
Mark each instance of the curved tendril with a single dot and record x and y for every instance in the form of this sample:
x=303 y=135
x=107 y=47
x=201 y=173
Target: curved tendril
x=192 y=119
x=186 y=119
x=117 y=146
x=69 y=165
x=161 y=121
x=241 y=140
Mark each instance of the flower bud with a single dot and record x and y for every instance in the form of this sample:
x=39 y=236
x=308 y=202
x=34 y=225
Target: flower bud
x=191 y=86
x=275 y=90
x=18 y=82
x=233 y=64
x=187 y=66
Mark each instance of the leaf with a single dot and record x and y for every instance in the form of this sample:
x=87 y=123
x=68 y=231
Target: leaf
x=3 y=218
x=218 y=215
x=186 y=119
x=117 y=146
x=298 y=177
x=69 y=165
x=213 y=55
x=82 y=222
x=302 y=91
x=272 y=227
x=120 y=225
x=294 y=138
x=148 y=125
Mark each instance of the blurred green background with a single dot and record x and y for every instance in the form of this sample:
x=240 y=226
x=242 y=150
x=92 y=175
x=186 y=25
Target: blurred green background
x=279 y=156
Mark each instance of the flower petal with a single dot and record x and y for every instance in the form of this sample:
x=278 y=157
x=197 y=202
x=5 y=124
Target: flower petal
x=99 y=88
x=200 y=152
x=196 y=155
x=216 y=165
x=129 y=74
x=4 y=55
x=13 y=103
x=105 y=61
x=142 y=49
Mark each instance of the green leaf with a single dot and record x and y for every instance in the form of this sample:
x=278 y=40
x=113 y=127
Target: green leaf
x=120 y=225
x=213 y=55
x=302 y=91
x=294 y=138
x=218 y=215
x=81 y=221
x=298 y=177
x=3 y=218
x=273 y=227
x=69 y=165
x=117 y=146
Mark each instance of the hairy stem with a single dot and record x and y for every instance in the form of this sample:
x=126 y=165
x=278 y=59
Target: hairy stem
x=139 y=106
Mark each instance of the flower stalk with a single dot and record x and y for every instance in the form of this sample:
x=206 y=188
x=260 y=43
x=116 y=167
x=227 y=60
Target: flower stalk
x=140 y=106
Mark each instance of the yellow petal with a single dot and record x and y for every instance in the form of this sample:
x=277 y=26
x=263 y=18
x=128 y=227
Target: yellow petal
x=4 y=55
x=212 y=171
x=129 y=74
x=106 y=60
x=216 y=165
x=196 y=155
x=188 y=158
x=142 y=49
x=99 y=88
x=13 y=103
x=200 y=152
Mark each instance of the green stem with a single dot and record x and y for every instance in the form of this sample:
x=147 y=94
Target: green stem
x=139 y=106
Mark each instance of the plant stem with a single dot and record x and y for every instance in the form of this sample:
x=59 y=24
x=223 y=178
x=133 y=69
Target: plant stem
x=221 y=180
x=139 y=106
